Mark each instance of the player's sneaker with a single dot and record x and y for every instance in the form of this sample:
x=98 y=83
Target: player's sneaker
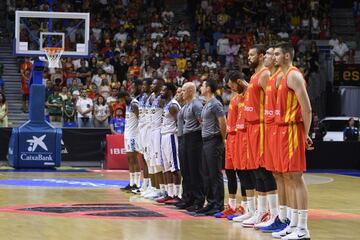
x=127 y=188
x=257 y=218
x=147 y=191
x=277 y=226
x=238 y=212
x=153 y=193
x=271 y=220
x=173 y=201
x=243 y=217
x=228 y=211
x=163 y=199
x=299 y=233
x=286 y=231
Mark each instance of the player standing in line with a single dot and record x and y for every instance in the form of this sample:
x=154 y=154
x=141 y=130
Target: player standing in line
x=270 y=148
x=146 y=138
x=131 y=136
x=156 y=111
x=142 y=125
x=293 y=116
x=254 y=116
x=230 y=154
x=169 y=144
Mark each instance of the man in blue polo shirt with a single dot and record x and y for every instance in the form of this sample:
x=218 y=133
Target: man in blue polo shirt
x=117 y=123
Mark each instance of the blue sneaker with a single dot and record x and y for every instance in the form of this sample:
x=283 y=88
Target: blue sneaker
x=276 y=226
x=218 y=215
x=230 y=217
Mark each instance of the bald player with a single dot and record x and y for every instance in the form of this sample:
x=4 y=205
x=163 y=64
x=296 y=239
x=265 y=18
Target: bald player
x=293 y=116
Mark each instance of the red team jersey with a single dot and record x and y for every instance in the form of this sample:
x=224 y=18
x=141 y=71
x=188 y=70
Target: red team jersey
x=291 y=133
x=241 y=136
x=231 y=130
x=271 y=161
x=254 y=117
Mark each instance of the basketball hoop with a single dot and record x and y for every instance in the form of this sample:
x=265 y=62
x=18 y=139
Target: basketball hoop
x=53 y=55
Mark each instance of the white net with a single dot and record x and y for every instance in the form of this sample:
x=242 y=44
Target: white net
x=53 y=56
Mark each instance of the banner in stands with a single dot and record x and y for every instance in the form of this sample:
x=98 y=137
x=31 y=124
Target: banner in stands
x=347 y=74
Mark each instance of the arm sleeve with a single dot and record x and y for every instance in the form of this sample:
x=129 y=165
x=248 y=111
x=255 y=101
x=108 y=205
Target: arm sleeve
x=197 y=108
x=218 y=109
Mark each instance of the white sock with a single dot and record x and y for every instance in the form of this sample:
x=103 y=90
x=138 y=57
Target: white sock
x=251 y=204
x=145 y=183
x=149 y=184
x=178 y=190
x=137 y=178
x=294 y=218
x=232 y=203
x=261 y=203
x=132 y=179
x=302 y=220
x=273 y=204
x=288 y=213
x=162 y=188
x=244 y=205
x=282 y=213
x=170 y=189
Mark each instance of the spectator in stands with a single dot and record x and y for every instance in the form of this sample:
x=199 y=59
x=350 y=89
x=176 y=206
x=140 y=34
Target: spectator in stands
x=84 y=107
x=3 y=111
x=58 y=77
x=351 y=133
x=69 y=110
x=64 y=94
x=317 y=129
x=104 y=89
x=108 y=68
x=101 y=112
x=54 y=104
x=341 y=51
x=117 y=123
x=83 y=71
x=2 y=84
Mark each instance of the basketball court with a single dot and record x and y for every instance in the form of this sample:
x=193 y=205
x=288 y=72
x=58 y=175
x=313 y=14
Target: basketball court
x=88 y=204
x=81 y=204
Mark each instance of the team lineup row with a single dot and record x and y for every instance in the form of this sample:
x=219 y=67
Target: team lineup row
x=186 y=141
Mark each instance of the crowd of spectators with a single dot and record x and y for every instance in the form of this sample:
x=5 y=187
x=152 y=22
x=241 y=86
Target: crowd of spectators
x=143 y=39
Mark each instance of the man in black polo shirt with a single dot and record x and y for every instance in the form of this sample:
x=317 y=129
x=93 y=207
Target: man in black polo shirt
x=213 y=131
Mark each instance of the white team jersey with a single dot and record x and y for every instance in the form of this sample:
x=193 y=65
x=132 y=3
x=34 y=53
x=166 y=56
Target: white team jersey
x=142 y=102
x=131 y=121
x=169 y=123
x=147 y=113
x=156 y=113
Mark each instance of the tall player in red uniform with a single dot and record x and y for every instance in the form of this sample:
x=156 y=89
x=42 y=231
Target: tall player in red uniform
x=293 y=116
x=254 y=117
x=270 y=133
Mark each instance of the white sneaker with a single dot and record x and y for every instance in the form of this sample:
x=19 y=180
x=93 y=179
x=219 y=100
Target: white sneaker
x=147 y=191
x=266 y=223
x=243 y=217
x=153 y=194
x=288 y=230
x=257 y=218
x=298 y=234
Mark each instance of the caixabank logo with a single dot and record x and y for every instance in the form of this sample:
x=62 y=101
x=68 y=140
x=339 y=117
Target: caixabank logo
x=36 y=149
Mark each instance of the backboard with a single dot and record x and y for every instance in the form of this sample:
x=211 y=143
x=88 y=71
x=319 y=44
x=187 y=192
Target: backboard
x=35 y=30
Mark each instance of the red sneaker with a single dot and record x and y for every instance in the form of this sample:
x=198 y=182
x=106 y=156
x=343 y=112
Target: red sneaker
x=172 y=201
x=227 y=212
x=164 y=199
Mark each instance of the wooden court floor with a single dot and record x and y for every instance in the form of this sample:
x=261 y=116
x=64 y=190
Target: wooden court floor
x=89 y=205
